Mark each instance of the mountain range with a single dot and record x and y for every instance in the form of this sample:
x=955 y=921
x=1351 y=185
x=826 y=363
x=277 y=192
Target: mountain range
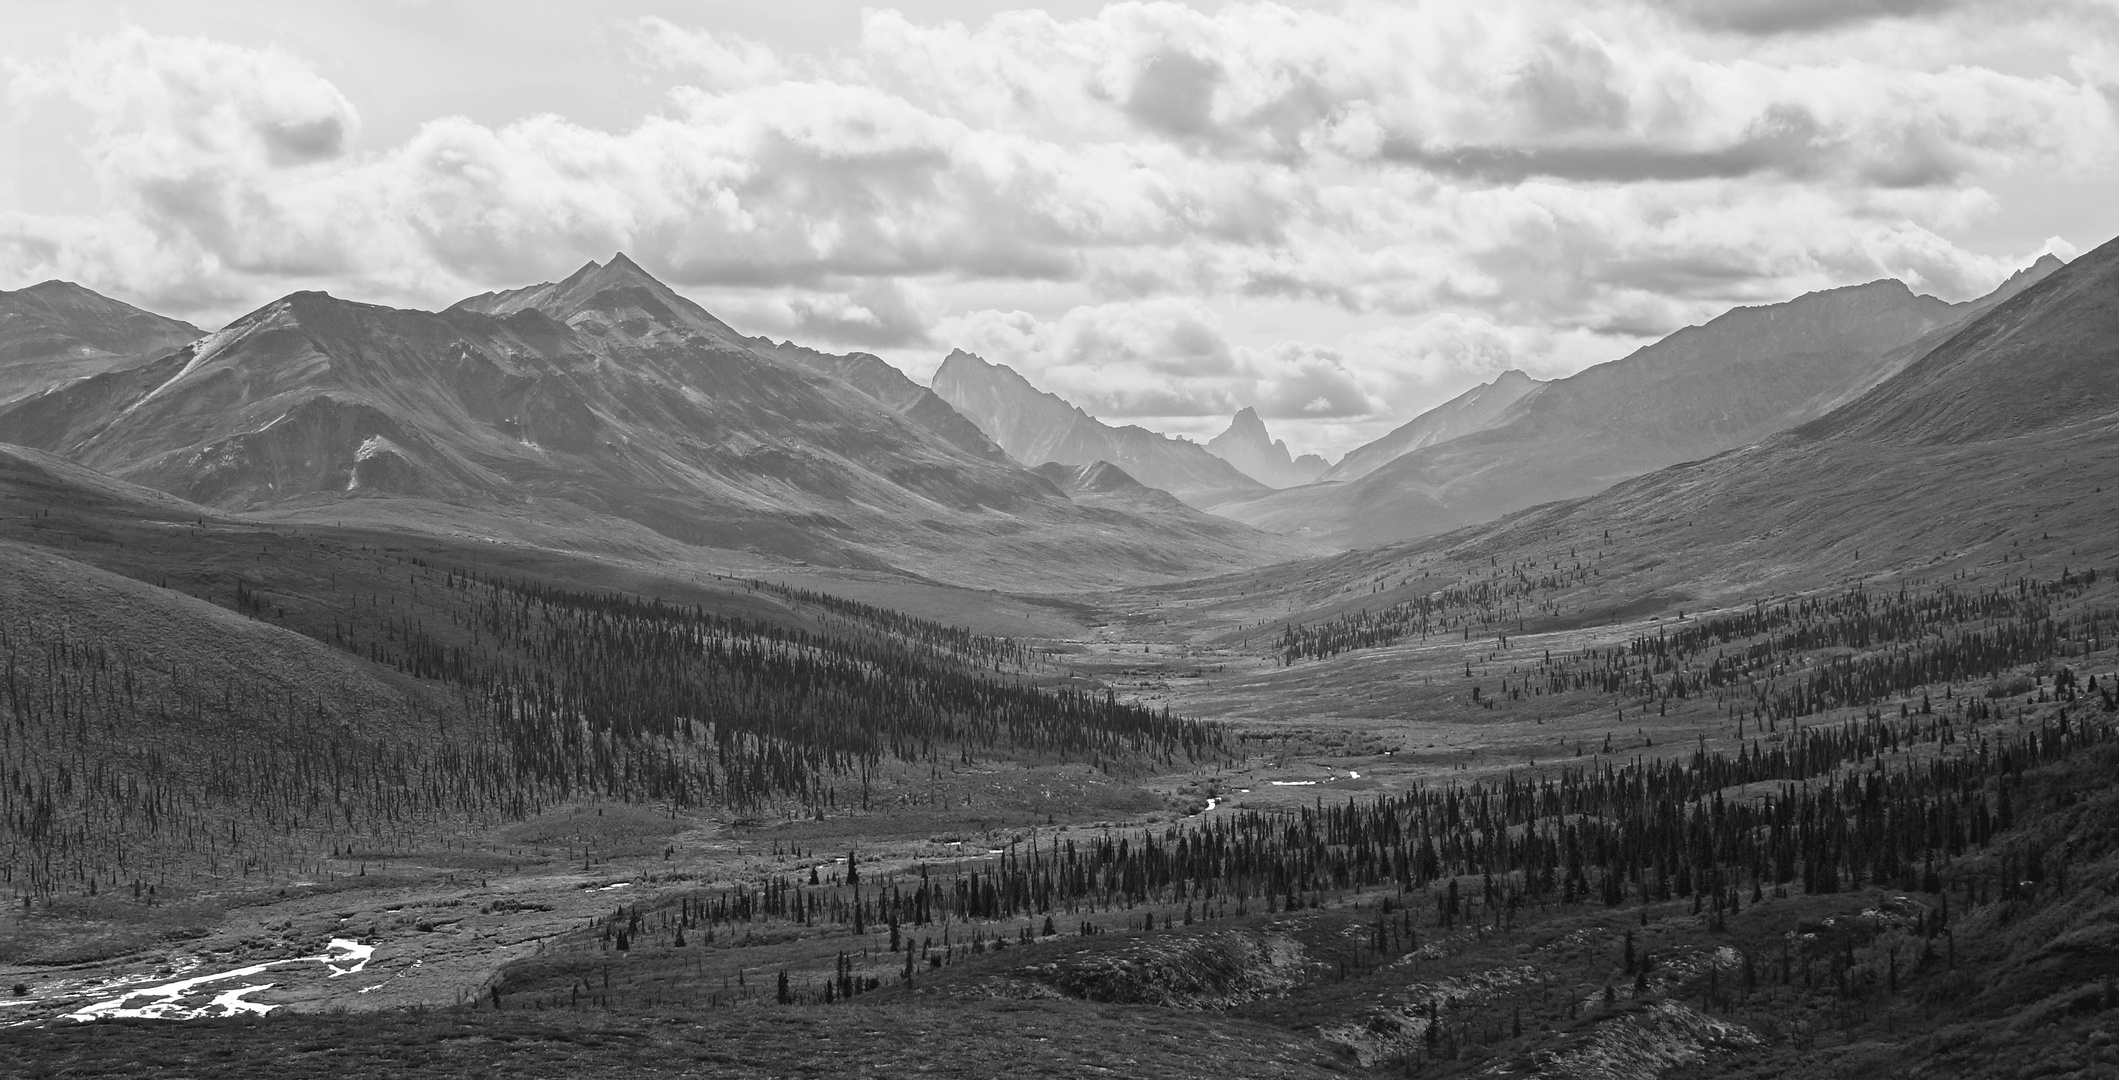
x=1702 y=390
x=1035 y=427
x=1995 y=448
x=606 y=392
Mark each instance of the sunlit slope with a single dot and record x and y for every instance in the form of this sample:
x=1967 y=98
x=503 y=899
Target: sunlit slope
x=606 y=393
x=1703 y=390
x=1995 y=455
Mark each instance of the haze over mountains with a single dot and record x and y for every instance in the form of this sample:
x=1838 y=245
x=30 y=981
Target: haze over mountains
x=610 y=392
x=1998 y=446
x=1248 y=446
x=1475 y=409
x=1732 y=381
x=1036 y=427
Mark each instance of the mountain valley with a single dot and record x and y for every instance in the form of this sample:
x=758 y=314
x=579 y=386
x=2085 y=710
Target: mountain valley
x=565 y=682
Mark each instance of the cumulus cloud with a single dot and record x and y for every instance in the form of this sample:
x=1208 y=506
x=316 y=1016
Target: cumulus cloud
x=1519 y=178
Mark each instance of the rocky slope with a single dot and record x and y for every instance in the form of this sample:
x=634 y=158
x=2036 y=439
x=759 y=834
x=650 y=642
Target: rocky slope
x=606 y=391
x=1036 y=427
x=1705 y=389
x=1260 y=456
x=56 y=331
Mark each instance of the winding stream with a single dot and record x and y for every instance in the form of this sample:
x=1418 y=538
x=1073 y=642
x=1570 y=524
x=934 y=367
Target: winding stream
x=181 y=1000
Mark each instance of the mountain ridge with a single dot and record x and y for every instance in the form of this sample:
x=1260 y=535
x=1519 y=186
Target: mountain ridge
x=1703 y=389
x=608 y=391
x=1035 y=426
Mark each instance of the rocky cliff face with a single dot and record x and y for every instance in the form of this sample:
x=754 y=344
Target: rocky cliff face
x=1248 y=446
x=55 y=332
x=1036 y=427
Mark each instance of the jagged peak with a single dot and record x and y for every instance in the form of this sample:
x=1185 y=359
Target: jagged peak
x=959 y=358
x=619 y=271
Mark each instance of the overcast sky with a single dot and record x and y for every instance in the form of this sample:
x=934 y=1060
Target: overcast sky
x=1342 y=213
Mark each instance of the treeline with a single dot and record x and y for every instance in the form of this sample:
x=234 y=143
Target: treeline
x=1497 y=602
x=1883 y=802
x=113 y=761
x=957 y=641
x=1765 y=665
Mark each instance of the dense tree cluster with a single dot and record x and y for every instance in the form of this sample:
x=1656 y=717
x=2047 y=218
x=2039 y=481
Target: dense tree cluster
x=1884 y=802
x=113 y=763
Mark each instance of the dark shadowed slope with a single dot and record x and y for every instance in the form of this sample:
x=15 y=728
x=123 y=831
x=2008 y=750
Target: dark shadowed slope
x=56 y=331
x=1994 y=456
x=1035 y=426
x=1248 y=446
x=606 y=391
x=1473 y=410
x=1702 y=390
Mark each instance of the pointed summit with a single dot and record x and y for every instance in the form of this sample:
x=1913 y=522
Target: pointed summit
x=621 y=264
x=617 y=296
x=1246 y=423
x=1248 y=446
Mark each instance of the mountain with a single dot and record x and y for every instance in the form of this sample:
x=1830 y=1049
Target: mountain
x=1261 y=457
x=874 y=376
x=1704 y=389
x=1993 y=455
x=606 y=392
x=1035 y=427
x=1473 y=410
x=56 y=331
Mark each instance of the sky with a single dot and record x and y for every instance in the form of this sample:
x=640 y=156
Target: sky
x=1341 y=213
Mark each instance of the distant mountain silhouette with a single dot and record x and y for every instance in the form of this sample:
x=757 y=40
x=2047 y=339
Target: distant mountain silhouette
x=1473 y=410
x=609 y=391
x=56 y=331
x=1260 y=456
x=1704 y=389
x=1035 y=426
x=874 y=376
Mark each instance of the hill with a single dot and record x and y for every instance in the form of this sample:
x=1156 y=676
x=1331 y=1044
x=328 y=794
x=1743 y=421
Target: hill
x=1260 y=456
x=1705 y=389
x=605 y=392
x=1035 y=426
x=55 y=332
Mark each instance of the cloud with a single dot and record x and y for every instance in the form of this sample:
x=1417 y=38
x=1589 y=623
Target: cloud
x=724 y=61
x=1527 y=178
x=875 y=314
